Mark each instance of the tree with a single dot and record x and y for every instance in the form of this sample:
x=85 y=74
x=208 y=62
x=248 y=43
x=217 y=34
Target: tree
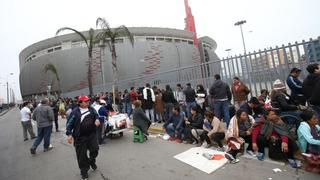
x=90 y=41
x=53 y=69
x=109 y=36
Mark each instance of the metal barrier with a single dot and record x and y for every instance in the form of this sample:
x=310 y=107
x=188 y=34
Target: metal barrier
x=257 y=69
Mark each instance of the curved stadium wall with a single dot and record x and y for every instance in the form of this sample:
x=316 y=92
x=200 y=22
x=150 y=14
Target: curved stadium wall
x=155 y=50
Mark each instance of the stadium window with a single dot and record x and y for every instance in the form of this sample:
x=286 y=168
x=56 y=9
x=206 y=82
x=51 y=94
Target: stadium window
x=177 y=40
x=168 y=40
x=50 y=50
x=150 y=38
x=57 y=48
x=33 y=56
x=190 y=42
x=184 y=41
x=160 y=39
x=119 y=41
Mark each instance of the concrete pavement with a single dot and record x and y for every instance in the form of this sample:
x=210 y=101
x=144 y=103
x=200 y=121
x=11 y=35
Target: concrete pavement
x=119 y=159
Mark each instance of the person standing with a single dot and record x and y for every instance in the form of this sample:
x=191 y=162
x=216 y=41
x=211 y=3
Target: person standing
x=55 y=109
x=190 y=95
x=311 y=87
x=81 y=128
x=180 y=97
x=99 y=106
x=221 y=94
x=148 y=101
x=43 y=114
x=26 y=121
x=240 y=92
x=168 y=99
x=295 y=86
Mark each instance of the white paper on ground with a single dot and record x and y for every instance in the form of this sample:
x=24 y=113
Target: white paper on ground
x=193 y=157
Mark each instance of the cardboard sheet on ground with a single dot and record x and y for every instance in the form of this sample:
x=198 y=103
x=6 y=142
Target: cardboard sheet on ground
x=193 y=157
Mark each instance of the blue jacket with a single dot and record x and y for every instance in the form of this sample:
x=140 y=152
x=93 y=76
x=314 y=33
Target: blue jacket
x=305 y=137
x=176 y=120
x=73 y=123
x=295 y=85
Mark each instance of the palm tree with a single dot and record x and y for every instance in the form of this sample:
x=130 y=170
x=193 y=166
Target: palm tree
x=90 y=41
x=53 y=69
x=109 y=36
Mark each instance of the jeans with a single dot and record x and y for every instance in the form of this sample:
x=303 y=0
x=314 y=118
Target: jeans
x=189 y=106
x=27 y=126
x=150 y=114
x=170 y=129
x=222 y=107
x=168 y=110
x=45 y=134
x=127 y=107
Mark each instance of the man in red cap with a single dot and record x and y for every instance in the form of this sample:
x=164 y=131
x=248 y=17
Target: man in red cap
x=81 y=127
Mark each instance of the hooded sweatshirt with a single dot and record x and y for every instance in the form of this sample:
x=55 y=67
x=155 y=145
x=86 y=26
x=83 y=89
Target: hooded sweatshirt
x=309 y=84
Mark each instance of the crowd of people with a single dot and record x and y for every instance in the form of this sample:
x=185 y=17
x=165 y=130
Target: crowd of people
x=197 y=116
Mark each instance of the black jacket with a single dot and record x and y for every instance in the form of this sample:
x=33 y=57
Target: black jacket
x=190 y=94
x=220 y=90
x=309 y=83
x=283 y=102
x=315 y=97
x=196 y=122
x=168 y=97
x=141 y=120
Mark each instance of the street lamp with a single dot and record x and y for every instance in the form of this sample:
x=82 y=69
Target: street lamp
x=10 y=74
x=240 y=23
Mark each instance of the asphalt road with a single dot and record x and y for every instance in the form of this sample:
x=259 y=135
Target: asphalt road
x=119 y=159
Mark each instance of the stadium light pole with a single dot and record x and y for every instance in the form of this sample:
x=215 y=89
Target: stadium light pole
x=240 y=23
x=10 y=74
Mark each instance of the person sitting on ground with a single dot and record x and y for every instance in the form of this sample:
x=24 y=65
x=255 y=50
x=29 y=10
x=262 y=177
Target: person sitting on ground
x=194 y=125
x=174 y=126
x=264 y=96
x=140 y=120
x=238 y=133
x=253 y=107
x=272 y=132
x=213 y=130
x=281 y=101
x=309 y=140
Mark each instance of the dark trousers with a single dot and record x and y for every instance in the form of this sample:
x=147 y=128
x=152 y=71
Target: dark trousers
x=82 y=146
x=247 y=139
x=56 y=121
x=27 y=126
x=99 y=130
x=45 y=134
x=217 y=137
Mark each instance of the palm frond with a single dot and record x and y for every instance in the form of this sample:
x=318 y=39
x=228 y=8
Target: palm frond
x=124 y=31
x=77 y=32
x=103 y=23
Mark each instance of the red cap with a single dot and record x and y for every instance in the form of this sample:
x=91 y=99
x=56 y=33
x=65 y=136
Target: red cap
x=83 y=98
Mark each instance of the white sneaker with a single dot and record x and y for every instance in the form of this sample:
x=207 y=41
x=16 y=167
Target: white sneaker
x=251 y=153
x=235 y=161
x=229 y=157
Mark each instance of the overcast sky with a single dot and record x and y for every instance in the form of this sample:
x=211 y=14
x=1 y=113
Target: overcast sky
x=269 y=23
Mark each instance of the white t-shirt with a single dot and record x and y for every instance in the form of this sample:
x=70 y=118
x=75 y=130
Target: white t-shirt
x=25 y=111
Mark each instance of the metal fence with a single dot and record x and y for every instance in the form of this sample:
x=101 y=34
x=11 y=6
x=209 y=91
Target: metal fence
x=258 y=69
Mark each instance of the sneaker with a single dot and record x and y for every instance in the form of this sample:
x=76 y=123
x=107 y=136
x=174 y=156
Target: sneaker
x=48 y=149
x=26 y=139
x=33 y=150
x=33 y=137
x=171 y=138
x=194 y=143
x=178 y=140
x=294 y=163
x=234 y=161
x=93 y=166
x=207 y=145
x=260 y=156
x=84 y=177
x=229 y=157
x=251 y=153
x=222 y=149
